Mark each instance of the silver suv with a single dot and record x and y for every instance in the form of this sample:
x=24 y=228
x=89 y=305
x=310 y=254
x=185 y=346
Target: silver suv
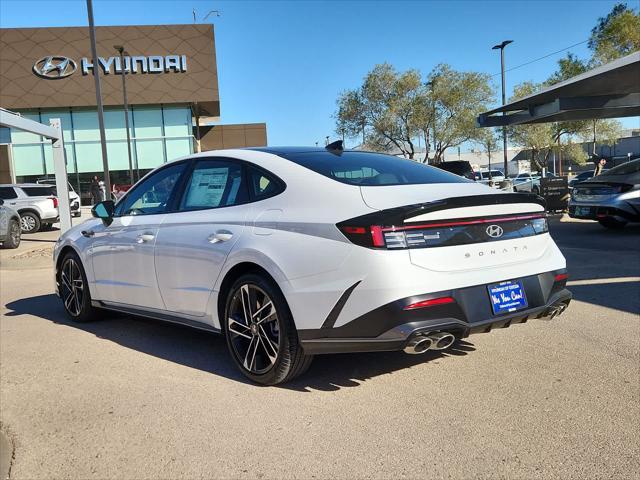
x=36 y=204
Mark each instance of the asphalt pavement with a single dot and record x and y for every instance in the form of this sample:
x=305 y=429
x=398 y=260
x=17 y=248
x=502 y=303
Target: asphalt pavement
x=129 y=398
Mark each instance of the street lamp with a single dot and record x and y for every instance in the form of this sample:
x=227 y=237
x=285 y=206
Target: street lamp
x=123 y=70
x=504 y=101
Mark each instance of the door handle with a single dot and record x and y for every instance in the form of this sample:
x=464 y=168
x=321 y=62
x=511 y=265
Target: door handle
x=220 y=236
x=88 y=233
x=145 y=237
x=13 y=203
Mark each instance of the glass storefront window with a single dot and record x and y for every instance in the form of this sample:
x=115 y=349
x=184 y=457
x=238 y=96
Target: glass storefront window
x=158 y=134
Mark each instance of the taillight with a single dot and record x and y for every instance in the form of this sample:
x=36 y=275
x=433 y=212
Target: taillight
x=55 y=202
x=561 y=277
x=442 y=233
x=432 y=302
x=370 y=236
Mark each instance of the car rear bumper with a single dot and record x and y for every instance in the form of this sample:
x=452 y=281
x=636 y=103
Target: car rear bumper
x=598 y=212
x=390 y=327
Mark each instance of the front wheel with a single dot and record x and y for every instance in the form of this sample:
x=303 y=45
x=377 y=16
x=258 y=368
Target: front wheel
x=74 y=289
x=260 y=332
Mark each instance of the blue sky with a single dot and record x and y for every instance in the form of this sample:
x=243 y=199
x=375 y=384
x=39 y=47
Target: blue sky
x=285 y=62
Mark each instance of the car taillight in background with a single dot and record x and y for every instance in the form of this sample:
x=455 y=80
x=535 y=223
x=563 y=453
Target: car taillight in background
x=445 y=232
x=55 y=201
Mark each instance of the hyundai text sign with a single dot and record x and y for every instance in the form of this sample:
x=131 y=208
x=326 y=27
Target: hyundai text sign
x=57 y=66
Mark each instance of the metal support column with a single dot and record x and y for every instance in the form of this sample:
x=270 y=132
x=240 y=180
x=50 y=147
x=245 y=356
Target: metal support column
x=62 y=182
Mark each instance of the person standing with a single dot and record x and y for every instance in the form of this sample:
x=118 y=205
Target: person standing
x=599 y=167
x=94 y=189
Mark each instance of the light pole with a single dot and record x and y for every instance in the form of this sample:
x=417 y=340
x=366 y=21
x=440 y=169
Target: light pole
x=504 y=101
x=96 y=77
x=123 y=70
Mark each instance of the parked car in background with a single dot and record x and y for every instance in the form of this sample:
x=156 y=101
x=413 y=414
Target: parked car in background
x=459 y=167
x=36 y=204
x=612 y=198
x=526 y=182
x=489 y=177
x=10 y=232
x=74 y=198
x=404 y=256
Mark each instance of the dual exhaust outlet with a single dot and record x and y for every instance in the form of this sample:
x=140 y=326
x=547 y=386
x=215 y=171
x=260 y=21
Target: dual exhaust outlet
x=431 y=341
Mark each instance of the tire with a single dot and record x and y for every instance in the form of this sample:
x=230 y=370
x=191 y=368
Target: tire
x=612 y=223
x=13 y=235
x=29 y=222
x=71 y=273
x=263 y=342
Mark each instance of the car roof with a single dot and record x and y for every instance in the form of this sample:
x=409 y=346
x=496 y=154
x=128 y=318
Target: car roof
x=24 y=185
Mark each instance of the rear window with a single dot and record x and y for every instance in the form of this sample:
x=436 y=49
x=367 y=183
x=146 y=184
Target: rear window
x=38 y=191
x=8 y=193
x=371 y=169
x=459 y=168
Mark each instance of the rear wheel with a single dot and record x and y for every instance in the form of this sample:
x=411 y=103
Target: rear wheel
x=612 y=223
x=29 y=222
x=13 y=235
x=74 y=289
x=260 y=332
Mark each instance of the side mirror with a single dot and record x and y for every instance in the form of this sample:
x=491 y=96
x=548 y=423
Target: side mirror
x=104 y=210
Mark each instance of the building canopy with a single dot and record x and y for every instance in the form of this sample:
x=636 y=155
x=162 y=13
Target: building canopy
x=608 y=91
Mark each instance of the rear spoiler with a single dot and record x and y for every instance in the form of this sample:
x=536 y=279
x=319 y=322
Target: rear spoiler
x=397 y=215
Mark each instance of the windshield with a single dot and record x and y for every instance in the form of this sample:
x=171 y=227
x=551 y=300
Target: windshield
x=371 y=169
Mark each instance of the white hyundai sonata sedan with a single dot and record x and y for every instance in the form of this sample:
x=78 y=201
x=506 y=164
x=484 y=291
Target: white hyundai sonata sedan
x=292 y=252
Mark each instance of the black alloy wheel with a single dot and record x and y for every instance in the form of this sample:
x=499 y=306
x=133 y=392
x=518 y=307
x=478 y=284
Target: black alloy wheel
x=74 y=289
x=260 y=332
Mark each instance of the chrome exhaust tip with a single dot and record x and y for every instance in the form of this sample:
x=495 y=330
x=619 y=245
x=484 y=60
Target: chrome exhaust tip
x=441 y=340
x=418 y=345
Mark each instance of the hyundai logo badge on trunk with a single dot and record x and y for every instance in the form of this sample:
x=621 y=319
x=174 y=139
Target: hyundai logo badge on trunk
x=494 y=231
x=54 y=67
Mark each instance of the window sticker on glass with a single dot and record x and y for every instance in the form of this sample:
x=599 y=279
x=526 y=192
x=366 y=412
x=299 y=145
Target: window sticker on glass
x=207 y=187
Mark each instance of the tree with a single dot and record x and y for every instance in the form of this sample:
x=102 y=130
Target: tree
x=616 y=35
x=392 y=109
x=385 y=109
x=488 y=140
x=568 y=67
x=456 y=98
x=600 y=131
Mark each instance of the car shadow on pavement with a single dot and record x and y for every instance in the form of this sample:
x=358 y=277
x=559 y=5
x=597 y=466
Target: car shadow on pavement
x=621 y=296
x=208 y=352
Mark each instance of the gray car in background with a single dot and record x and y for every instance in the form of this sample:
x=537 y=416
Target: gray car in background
x=36 y=204
x=10 y=233
x=611 y=198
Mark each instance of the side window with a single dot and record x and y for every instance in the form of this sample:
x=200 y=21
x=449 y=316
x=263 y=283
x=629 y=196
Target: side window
x=263 y=185
x=38 y=191
x=213 y=184
x=8 y=193
x=153 y=194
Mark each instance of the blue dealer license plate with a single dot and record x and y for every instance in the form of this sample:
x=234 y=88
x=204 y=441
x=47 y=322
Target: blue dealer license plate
x=507 y=297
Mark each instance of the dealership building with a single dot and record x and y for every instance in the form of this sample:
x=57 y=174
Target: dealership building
x=172 y=89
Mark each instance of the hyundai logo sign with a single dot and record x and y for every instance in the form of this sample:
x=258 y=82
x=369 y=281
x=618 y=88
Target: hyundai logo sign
x=54 y=67
x=494 y=231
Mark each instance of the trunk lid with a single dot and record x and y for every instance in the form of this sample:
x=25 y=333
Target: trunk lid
x=456 y=227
